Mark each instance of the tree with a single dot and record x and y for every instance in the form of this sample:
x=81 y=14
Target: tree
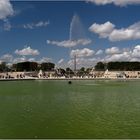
x=69 y=72
x=119 y=66
x=81 y=72
x=47 y=66
x=82 y=69
x=26 y=66
x=100 y=66
x=61 y=71
x=3 y=67
x=88 y=70
x=124 y=66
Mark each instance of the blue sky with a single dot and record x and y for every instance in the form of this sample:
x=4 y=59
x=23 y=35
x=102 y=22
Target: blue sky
x=57 y=30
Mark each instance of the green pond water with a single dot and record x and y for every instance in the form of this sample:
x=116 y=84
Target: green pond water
x=56 y=109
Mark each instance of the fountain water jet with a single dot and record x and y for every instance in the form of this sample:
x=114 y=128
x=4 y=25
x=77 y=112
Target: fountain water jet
x=76 y=28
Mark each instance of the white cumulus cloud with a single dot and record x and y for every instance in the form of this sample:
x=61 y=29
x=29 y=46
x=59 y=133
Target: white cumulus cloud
x=111 y=54
x=125 y=56
x=36 y=25
x=27 y=51
x=107 y=30
x=85 y=52
x=6 y=58
x=45 y=59
x=70 y=43
x=130 y=33
x=115 y=2
x=19 y=59
x=136 y=51
x=132 y=54
x=102 y=29
x=6 y=9
x=23 y=59
x=31 y=59
x=112 y=50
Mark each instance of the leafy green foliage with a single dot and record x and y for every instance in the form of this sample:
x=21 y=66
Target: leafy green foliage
x=100 y=66
x=47 y=66
x=26 y=66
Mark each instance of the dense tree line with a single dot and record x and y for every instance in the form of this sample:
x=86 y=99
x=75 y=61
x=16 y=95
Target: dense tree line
x=100 y=66
x=27 y=66
x=121 y=66
x=2 y=67
x=47 y=66
x=34 y=66
x=69 y=72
